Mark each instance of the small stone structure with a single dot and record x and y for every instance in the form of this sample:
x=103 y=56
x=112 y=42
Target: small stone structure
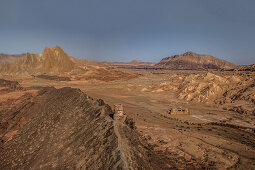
x=178 y=111
x=118 y=109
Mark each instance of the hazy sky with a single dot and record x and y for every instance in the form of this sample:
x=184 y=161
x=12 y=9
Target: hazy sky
x=123 y=30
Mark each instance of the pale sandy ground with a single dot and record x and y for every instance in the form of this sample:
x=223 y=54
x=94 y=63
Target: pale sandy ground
x=191 y=136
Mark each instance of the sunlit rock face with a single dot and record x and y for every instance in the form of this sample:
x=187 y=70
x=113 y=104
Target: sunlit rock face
x=51 y=60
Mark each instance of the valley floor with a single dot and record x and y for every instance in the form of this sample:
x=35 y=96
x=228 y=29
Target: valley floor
x=210 y=135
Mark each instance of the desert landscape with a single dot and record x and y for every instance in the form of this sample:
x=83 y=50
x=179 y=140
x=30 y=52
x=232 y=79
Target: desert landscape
x=189 y=111
x=127 y=85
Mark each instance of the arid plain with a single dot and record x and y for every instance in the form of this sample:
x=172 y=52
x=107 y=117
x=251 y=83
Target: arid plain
x=217 y=132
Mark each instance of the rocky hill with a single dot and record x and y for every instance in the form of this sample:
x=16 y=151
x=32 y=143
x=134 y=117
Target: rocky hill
x=55 y=62
x=48 y=128
x=193 y=61
x=6 y=58
x=51 y=60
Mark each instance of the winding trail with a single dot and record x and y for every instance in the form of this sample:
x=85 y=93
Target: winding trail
x=121 y=144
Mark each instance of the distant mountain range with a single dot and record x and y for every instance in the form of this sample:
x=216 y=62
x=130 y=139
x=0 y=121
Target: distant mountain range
x=186 y=61
x=55 y=60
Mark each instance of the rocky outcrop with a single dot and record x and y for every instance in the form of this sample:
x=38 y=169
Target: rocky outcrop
x=193 y=61
x=55 y=62
x=51 y=60
x=66 y=129
x=202 y=88
x=55 y=59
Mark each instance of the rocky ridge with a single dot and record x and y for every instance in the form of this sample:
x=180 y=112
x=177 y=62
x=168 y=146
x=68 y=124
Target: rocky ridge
x=51 y=60
x=52 y=128
x=231 y=91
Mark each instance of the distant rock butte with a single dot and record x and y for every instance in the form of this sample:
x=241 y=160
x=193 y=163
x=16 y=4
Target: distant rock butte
x=51 y=60
x=193 y=61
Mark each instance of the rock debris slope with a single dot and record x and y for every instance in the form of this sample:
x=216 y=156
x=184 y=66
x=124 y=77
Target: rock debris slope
x=48 y=128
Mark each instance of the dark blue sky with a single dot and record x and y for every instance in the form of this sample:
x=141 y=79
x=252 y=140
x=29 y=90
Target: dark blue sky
x=123 y=30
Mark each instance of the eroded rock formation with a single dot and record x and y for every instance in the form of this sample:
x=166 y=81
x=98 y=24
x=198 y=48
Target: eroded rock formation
x=54 y=61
